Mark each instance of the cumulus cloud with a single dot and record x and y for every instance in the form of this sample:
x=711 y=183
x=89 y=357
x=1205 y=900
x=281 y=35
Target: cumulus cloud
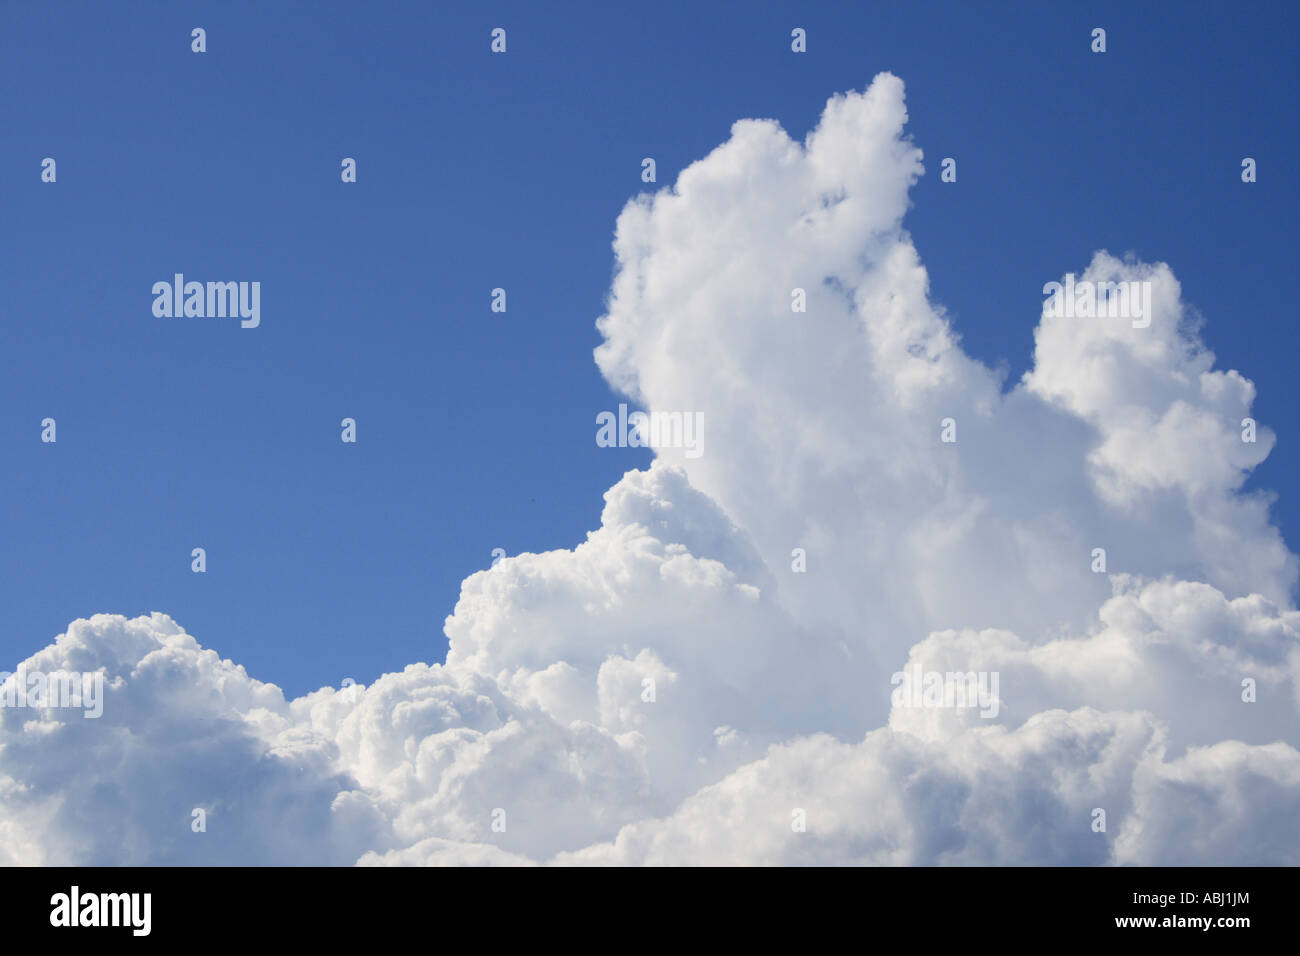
x=679 y=689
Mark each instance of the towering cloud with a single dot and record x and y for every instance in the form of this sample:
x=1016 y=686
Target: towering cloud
x=673 y=690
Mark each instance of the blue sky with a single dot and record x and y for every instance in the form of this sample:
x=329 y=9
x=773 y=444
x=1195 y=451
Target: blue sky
x=476 y=430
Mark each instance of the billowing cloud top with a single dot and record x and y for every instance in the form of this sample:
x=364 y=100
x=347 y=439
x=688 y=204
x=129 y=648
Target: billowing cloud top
x=713 y=676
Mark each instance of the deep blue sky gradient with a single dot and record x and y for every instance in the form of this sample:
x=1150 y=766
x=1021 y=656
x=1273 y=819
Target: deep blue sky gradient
x=476 y=430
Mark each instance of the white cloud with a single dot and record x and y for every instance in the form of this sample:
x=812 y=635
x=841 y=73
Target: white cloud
x=537 y=740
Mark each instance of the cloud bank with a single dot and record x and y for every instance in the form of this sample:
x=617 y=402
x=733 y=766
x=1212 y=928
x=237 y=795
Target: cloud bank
x=685 y=687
